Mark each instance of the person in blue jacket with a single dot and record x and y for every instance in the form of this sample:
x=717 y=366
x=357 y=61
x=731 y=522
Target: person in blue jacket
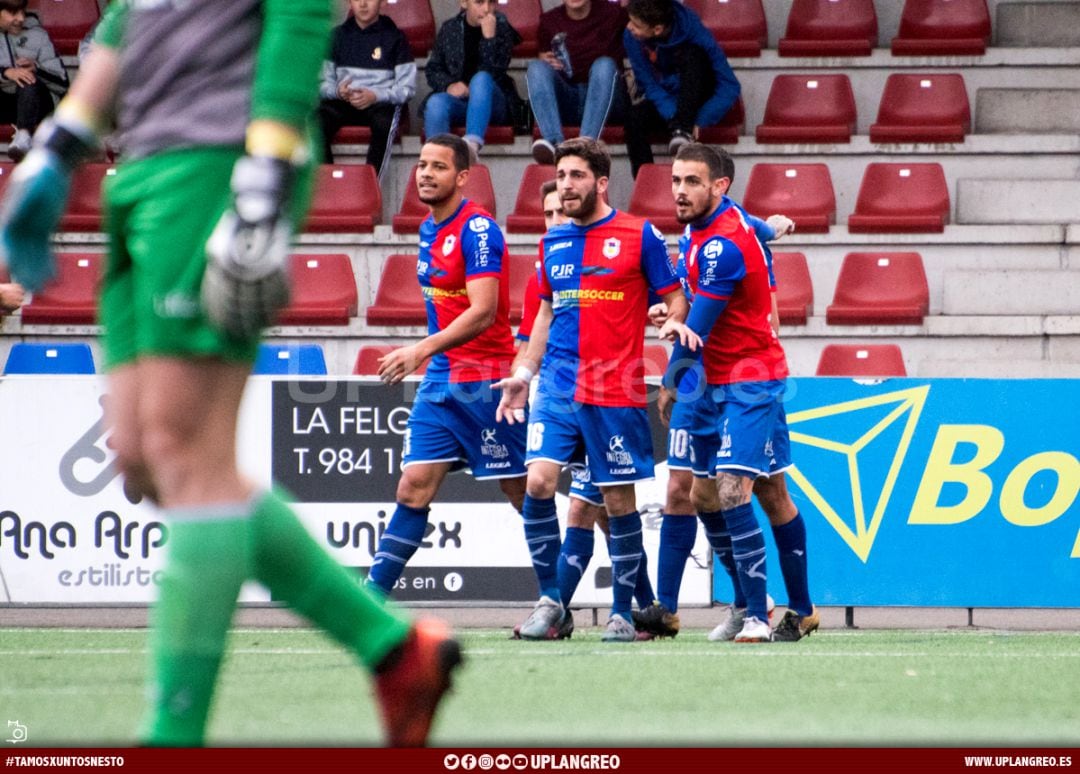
x=681 y=76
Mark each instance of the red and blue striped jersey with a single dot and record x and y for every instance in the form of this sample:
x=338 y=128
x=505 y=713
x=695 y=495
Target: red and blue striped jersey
x=597 y=278
x=723 y=259
x=466 y=246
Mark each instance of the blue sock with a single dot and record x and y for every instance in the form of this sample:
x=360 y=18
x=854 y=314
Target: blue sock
x=626 y=551
x=791 y=546
x=720 y=539
x=397 y=545
x=577 y=550
x=748 y=549
x=643 y=590
x=677 y=535
x=542 y=537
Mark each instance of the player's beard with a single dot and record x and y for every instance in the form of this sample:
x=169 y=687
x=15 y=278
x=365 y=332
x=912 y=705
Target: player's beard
x=696 y=213
x=586 y=206
x=440 y=196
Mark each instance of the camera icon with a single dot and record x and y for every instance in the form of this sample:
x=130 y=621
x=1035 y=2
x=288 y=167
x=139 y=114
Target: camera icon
x=16 y=732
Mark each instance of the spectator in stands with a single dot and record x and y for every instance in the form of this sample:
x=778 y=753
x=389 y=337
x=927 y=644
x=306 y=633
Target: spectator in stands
x=367 y=81
x=31 y=74
x=683 y=77
x=11 y=297
x=467 y=72
x=576 y=80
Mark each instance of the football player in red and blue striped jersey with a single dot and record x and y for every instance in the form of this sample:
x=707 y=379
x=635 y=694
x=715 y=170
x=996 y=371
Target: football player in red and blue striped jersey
x=464 y=278
x=596 y=274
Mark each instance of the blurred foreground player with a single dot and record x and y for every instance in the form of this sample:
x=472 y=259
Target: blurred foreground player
x=212 y=102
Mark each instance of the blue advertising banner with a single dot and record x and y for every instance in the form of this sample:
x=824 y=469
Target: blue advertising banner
x=947 y=492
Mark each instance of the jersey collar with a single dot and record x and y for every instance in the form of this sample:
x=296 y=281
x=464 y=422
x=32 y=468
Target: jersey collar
x=725 y=204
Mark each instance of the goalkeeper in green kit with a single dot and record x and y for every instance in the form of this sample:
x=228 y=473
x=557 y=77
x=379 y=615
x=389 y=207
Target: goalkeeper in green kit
x=212 y=102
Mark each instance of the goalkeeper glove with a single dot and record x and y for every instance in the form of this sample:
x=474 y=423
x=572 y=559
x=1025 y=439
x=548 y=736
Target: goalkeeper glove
x=36 y=196
x=246 y=280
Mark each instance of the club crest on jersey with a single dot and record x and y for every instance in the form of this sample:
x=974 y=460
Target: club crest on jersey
x=448 y=244
x=479 y=225
x=377 y=53
x=612 y=247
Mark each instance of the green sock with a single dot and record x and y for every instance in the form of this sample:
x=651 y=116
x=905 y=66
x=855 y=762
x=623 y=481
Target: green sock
x=289 y=562
x=207 y=563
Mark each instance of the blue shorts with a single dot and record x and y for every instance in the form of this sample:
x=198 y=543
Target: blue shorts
x=752 y=428
x=616 y=440
x=460 y=428
x=693 y=437
x=582 y=486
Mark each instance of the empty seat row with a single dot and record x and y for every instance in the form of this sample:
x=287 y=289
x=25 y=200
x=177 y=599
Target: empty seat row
x=914 y=107
x=323 y=291
x=893 y=197
x=810 y=108
x=272 y=359
x=878 y=288
x=814 y=27
x=873 y=288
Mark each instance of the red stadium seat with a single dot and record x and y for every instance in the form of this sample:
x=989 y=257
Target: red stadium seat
x=66 y=21
x=651 y=198
x=880 y=289
x=612 y=135
x=6 y=168
x=808 y=108
x=524 y=16
x=522 y=266
x=84 y=203
x=528 y=214
x=830 y=28
x=922 y=108
x=794 y=289
x=739 y=26
x=728 y=130
x=367 y=360
x=398 y=300
x=415 y=19
x=323 y=291
x=413 y=211
x=861 y=360
x=803 y=192
x=495 y=135
x=656 y=360
x=347 y=199
x=71 y=297
x=901 y=199
x=361 y=135
x=943 y=28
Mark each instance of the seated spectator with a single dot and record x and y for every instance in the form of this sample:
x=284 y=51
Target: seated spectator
x=682 y=74
x=12 y=297
x=467 y=74
x=31 y=74
x=369 y=77
x=591 y=46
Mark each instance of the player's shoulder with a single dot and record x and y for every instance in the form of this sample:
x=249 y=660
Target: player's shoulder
x=634 y=224
x=477 y=218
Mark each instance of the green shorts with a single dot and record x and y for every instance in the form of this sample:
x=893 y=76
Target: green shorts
x=159 y=212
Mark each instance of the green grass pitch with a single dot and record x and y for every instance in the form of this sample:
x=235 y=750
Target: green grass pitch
x=295 y=687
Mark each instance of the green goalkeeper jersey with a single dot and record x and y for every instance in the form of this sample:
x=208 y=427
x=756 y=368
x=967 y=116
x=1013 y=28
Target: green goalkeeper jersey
x=194 y=73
